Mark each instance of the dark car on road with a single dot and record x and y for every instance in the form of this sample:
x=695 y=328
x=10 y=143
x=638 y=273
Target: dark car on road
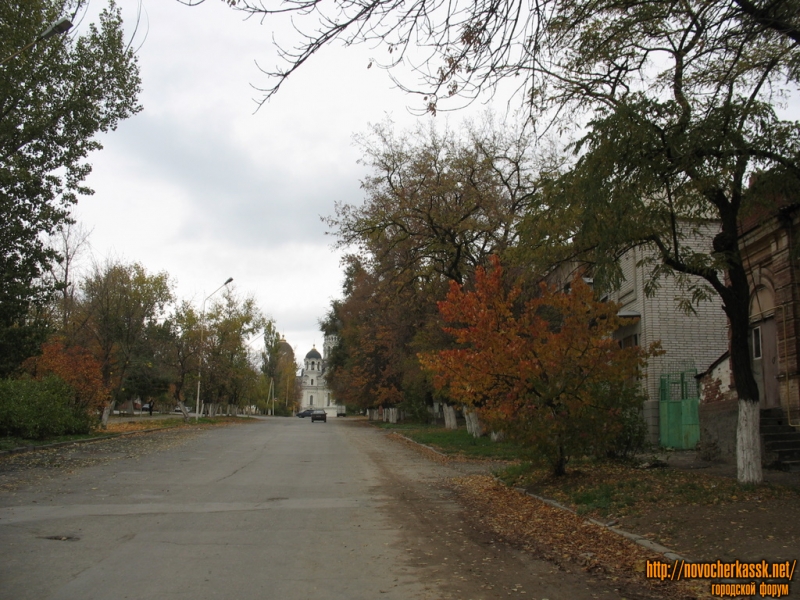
x=306 y=413
x=319 y=415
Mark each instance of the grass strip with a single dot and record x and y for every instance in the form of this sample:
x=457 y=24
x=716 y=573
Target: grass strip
x=604 y=489
x=457 y=442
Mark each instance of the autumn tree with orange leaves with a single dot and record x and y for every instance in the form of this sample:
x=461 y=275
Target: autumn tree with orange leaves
x=77 y=368
x=547 y=371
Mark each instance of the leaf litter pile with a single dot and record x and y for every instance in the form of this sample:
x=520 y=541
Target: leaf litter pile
x=147 y=424
x=566 y=538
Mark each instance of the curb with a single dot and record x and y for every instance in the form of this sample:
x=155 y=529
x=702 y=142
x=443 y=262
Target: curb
x=23 y=449
x=634 y=537
x=432 y=449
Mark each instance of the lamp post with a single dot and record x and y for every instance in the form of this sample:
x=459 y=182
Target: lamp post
x=57 y=27
x=200 y=362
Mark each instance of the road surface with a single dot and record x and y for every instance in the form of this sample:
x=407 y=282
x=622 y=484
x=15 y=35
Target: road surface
x=277 y=509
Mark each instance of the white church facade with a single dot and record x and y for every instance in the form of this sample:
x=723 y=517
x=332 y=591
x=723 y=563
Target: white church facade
x=315 y=391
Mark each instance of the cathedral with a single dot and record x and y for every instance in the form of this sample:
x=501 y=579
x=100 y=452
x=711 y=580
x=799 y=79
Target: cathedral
x=312 y=380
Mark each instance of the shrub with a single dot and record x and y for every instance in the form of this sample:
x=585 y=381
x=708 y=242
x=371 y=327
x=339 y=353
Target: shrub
x=632 y=439
x=40 y=409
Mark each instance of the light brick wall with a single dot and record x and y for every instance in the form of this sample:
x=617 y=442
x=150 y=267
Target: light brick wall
x=692 y=341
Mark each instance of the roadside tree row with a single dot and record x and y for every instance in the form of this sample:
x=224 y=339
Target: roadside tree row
x=119 y=337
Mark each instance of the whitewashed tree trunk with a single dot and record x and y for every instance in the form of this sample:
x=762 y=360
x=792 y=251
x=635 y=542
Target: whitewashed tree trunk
x=473 y=422
x=497 y=436
x=107 y=410
x=184 y=411
x=450 y=421
x=467 y=420
x=748 y=443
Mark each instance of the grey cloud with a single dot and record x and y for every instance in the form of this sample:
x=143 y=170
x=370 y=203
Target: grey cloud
x=232 y=197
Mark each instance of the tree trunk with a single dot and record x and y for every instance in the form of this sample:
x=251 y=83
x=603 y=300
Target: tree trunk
x=450 y=421
x=560 y=464
x=497 y=436
x=107 y=410
x=474 y=426
x=184 y=411
x=748 y=443
x=467 y=420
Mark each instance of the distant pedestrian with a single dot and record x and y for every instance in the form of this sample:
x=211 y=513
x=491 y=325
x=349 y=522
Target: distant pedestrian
x=150 y=408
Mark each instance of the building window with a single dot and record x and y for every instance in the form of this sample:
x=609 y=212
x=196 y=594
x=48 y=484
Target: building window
x=312 y=382
x=311 y=400
x=756 y=343
x=629 y=341
x=329 y=399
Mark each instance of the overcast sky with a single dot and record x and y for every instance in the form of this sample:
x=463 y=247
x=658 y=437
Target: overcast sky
x=201 y=187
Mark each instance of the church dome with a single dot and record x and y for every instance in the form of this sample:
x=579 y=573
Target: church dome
x=285 y=349
x=313 y=354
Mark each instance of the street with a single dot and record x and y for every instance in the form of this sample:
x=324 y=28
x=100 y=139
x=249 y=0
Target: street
x=279 y=508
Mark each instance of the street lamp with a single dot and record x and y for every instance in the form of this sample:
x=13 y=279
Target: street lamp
x=202 y=331
x=57 y=27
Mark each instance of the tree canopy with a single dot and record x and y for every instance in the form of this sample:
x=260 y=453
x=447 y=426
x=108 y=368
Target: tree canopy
x=438 y=204
x=55 y=97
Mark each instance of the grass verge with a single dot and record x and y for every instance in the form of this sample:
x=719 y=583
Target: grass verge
x=456 y=442
x=605 y=489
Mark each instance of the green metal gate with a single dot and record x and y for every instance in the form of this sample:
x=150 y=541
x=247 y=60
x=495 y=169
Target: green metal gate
x=679 y=420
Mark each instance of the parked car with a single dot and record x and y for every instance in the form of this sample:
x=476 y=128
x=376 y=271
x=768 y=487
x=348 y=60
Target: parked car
x=306 y=413
x=319 y=415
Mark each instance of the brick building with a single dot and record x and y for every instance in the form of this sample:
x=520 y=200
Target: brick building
x=690 y=342
x=769 y=247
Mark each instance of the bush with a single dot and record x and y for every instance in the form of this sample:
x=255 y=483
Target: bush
x=41 y=409
x=632 y=438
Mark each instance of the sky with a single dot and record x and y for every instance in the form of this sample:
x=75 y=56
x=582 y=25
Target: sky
x=201 y=185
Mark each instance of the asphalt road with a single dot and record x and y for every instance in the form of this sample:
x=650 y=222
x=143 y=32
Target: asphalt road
x=277 y=509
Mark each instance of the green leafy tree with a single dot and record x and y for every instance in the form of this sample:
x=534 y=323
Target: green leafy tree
x=55 y=97
x=229 y=374
x=119 y=306
x=279 y=370
x=181 y=351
